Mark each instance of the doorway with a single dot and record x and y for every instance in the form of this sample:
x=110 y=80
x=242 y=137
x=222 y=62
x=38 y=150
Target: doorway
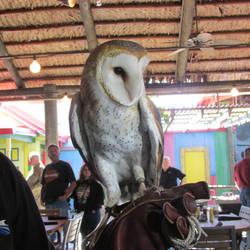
x=195 y=164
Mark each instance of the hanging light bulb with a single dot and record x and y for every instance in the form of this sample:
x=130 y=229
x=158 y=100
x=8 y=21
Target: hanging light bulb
x=35 y=67
x=234 y=92
x=65 y=99
x=98 y=3
x=71 y=3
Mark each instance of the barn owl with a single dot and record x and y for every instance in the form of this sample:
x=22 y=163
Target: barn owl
x=113 y=124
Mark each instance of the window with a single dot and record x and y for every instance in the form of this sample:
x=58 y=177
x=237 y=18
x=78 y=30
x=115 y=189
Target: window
x=15 y=154
x=3 y=150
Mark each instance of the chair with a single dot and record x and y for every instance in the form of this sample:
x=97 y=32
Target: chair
x=50 y=212
x=72 y=231
x=218 y=238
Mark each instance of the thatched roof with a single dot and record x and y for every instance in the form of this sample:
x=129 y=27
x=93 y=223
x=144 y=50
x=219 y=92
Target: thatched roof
x=57 y=35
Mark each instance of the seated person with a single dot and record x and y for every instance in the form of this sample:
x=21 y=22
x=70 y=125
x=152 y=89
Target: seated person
x=21 y=226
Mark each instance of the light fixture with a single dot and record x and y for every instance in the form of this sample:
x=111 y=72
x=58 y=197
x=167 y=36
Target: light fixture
x=65 y=99
x=234 y=92
x=70 y=3
x=98 y=3
x=35 y=67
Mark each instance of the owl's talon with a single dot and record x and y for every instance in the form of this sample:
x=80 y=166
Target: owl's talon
x=142 y=188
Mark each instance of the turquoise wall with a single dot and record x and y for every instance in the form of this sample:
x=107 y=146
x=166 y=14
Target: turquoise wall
x=222 y=157
x=74 y=159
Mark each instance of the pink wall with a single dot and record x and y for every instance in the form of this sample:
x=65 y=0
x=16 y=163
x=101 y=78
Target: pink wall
x=169 y=147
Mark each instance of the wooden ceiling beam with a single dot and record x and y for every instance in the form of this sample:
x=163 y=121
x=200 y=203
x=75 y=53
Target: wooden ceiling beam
x=10 y=66
x=107 y=7
x=151 y=89
x=37 y=93
x=151 y=50
x=78 y=24
x=169 y=39
x=104 y=7
x=186 y=24
x=127 y=21
x=200 y=73
x=88 y=21
x=158 y=75
x=198 y=87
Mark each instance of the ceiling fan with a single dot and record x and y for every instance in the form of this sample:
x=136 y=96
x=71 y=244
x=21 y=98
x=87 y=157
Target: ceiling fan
x=206 y=43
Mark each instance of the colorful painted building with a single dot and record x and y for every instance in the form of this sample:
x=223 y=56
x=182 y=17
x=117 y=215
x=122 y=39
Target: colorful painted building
x=202 y=155
x=20 y=134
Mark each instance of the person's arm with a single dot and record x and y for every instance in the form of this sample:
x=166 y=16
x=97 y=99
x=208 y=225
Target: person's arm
x=181 y=176
x=42 y=189
x=72 y=180
x=182 y=181
x=235 y=177
x=68 y=191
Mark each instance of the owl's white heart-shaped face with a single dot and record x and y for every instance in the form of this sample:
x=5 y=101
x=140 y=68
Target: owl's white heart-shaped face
x=122 y=77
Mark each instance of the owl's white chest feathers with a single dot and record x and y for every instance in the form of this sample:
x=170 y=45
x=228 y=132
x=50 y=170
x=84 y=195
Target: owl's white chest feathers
x=114 y=129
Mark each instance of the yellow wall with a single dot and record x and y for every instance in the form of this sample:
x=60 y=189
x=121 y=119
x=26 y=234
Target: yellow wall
x=23 y=149
x=17 y=151
x=195 y=164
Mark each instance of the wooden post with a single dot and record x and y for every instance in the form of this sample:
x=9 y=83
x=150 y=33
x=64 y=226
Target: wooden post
x=51 y=130
x=8 y=147
x=88 y=21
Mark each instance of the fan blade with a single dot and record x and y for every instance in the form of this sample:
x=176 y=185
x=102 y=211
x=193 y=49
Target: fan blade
x=226 y=41
x=204 y=37
x=176 y=52
x=208 y=51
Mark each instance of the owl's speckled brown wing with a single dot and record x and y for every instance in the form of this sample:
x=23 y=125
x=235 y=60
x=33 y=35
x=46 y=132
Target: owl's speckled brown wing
x=77 y=131
x=150 y=120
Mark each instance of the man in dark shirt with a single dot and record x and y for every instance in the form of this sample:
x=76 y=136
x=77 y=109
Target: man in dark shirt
x=58 y=182
x=170 y=175
x=242 y=178
x=21 y=226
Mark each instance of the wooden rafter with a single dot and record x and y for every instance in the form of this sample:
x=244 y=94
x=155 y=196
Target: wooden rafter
x=10 y=66
x=88 y=21
x=151 y=89
x=186 y=24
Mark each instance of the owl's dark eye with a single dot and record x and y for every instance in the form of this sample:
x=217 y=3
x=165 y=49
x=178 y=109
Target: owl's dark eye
x=120 y=72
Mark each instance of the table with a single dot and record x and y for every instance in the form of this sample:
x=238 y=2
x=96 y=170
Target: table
x=57 y=226
x=240 y=225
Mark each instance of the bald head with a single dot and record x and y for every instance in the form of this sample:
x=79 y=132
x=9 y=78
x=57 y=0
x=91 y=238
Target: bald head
x=166 y=163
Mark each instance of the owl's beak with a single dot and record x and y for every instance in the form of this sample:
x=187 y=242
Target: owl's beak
x=135 y=89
